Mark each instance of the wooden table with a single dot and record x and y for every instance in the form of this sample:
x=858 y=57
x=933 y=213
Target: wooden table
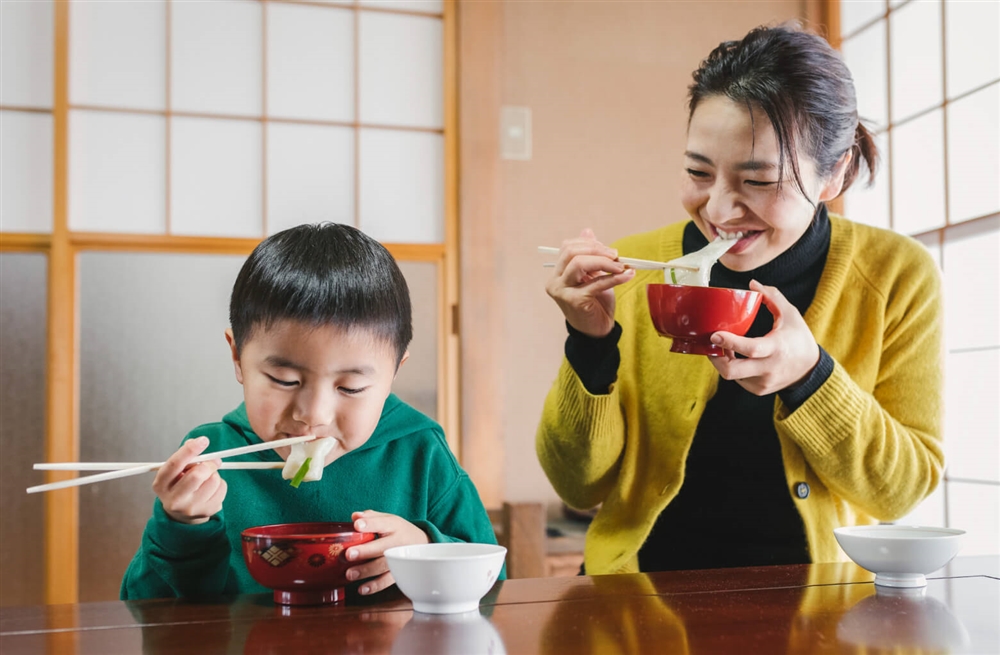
x=819 y=608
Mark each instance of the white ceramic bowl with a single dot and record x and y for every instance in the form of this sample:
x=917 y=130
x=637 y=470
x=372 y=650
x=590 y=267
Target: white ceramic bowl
x=899 y=555
x=445 y=578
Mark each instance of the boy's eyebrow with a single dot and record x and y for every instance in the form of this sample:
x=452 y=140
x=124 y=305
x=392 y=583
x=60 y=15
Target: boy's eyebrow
x=280 y=362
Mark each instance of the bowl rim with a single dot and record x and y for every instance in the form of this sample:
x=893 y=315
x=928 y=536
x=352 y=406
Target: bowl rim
x=884 y=531
x=396 y=552
x=256 y=532
x=698 y=286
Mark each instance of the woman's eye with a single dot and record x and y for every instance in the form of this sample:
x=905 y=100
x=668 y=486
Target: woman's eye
x=351 y=392
x=696 y=173
x=759 y=183
x=283 y=383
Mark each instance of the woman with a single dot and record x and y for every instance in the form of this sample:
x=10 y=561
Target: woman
x=827 y=413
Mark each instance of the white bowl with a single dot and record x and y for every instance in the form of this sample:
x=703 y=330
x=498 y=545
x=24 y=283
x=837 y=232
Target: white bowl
x=899 y=555
x=445 y=578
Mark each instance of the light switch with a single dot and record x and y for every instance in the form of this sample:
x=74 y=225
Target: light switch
x=515 y=133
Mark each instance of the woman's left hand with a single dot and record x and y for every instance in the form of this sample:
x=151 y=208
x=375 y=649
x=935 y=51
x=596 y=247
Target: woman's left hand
x=776 y=361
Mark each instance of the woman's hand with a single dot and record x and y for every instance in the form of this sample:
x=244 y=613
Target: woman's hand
x=190 y=492
x=776 y=361
x=583 y=285
x=391 y=530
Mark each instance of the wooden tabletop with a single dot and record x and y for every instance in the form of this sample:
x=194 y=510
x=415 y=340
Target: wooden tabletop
x=819 y=608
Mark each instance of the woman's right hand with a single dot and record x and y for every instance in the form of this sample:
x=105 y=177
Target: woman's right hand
x=586 y=274
x=190 y=492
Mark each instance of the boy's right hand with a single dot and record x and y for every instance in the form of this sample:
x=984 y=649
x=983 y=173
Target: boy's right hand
x=586 y=274
x=190 y=492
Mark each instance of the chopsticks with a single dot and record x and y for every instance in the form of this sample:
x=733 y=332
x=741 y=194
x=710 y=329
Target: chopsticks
x=630 y=262
x=145 y=468
x=118 y=466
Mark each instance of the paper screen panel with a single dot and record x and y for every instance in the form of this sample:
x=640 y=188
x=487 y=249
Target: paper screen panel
x=310 y=175
x=856 y=13
x=216 y=60
x=866 y=56
x=310 y=62
x=154 y=364
x=417 y=380
x=118 y=54
x=918 y=174
x=117 y=172
x=972 y=289
x=401 y=70
x=972 y=35
x=22 y=426
x=972 y=421
x=215 y=174
x=975 y=508
x=915 y=58
x=870 y=204
x=26 y=172
x=974 y=155
x=429 y=6
x=402 y=186
x=26 y=63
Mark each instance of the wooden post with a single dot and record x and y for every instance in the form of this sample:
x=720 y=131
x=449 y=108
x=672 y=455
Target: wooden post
x=524 y=535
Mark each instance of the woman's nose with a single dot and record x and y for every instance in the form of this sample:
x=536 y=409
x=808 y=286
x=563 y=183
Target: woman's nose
x=723 y=205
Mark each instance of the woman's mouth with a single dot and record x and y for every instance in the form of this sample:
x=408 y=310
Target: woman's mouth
x=744 y=237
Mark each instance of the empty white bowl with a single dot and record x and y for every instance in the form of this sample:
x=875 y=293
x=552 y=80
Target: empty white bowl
x=899 y=555
x=445 y=578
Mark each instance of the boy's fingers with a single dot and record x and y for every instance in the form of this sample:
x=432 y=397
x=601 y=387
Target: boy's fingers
x=180 y=460
x=368 y=569
x=377 y=523
x=384 y=581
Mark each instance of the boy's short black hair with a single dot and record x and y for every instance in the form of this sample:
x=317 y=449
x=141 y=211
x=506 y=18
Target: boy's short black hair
x=322 y=274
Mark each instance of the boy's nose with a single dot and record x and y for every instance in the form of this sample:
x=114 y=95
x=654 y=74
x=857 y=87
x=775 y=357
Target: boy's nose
x=314 y=408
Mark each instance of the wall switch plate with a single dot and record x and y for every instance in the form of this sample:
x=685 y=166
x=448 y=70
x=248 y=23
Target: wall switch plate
x=515 y=133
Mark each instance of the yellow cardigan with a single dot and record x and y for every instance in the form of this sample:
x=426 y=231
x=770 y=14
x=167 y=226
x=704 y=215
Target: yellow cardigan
x=868 y=442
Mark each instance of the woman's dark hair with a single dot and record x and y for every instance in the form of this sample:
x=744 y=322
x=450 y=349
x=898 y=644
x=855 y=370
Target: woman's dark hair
x=324 y=274
x=803 y=86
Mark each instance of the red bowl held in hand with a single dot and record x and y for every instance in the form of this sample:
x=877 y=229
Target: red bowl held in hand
x=691 y=315
x=304 y=563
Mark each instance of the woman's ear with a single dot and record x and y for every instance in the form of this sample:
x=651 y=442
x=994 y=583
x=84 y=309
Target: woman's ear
x=231 y=340
x=834 y=184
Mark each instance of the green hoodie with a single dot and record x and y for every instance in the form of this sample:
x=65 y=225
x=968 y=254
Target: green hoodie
x=405 y=468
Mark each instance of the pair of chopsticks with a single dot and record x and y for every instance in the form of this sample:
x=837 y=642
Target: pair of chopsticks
x=630 y=262
x=126 y=469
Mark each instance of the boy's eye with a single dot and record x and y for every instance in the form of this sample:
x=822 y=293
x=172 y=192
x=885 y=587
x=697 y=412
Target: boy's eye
x=351 y=392
x=283 y=383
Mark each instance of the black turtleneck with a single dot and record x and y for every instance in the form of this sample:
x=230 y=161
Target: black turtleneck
x=735 y=507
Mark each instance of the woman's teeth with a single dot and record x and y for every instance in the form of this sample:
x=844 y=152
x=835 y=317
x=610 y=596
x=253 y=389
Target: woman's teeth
x=729 y=235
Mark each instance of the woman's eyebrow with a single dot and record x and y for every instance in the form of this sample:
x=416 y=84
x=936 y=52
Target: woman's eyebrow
x=702 y=158
x=755 y=165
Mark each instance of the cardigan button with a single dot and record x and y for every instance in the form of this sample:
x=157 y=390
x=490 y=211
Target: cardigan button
x=802 y=490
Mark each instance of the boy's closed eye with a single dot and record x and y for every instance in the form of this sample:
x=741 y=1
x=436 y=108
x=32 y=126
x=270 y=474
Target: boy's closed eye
x=283 y=383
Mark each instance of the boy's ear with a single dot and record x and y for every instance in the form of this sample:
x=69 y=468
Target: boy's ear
x=405 y=357
x=231 y=340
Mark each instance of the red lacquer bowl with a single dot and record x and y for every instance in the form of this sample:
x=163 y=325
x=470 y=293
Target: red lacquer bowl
x=691 y=315
x=304 y=563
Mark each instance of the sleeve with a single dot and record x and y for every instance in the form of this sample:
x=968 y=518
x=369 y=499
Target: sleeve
x=881 y=450
x=176 y=560
x=793 y=397
x=580 y=440
x=458 y=515
x=595 y=360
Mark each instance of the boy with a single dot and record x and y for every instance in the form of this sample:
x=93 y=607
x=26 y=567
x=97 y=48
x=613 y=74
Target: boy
x=320 y=322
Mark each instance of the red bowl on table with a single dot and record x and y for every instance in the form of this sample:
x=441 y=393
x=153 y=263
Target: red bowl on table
x=304 y=563
x=691 y=315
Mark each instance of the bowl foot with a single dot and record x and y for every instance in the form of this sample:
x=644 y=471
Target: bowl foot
x=687 y=347
x=901 y=580
x=323 y=597
x=446 y=608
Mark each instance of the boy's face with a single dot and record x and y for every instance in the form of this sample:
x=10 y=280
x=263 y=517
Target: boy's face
x=298 y=379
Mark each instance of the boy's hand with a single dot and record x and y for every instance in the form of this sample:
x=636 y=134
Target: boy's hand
x=190 y=493
x=391 y=530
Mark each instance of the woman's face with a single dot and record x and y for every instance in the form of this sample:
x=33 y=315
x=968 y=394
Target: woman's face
x=730 y=184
